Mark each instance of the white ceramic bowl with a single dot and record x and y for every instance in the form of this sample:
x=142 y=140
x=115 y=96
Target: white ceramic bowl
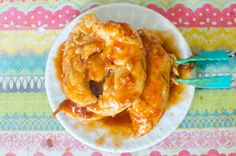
x=139 y=17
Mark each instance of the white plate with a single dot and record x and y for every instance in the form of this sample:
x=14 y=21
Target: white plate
x=139 y=17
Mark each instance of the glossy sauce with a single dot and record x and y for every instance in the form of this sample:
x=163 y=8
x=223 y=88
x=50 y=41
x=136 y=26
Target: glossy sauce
x=120 y=126
x=58 y=62
x=176 y=91
x=170 y=42
x=72 y=108
x=170 y=45
x=101 y=140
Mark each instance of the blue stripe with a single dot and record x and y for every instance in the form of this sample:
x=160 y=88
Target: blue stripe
x=37 y=83
x=47 y=122
x=33 y=62
x=22 y=84
x=18 y=63
x=229 y=66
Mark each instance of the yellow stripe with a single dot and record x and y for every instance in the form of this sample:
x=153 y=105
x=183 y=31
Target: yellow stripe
x=210 y=38
x=30 y=103
x=37 y=103
x=27 y=41
x=39 y=42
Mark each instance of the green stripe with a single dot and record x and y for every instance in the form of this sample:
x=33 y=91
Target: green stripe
x=54 y=5
x=23 y=72
x=37 y=103
x=21 y=103
x=214 y=100
x=50 y=5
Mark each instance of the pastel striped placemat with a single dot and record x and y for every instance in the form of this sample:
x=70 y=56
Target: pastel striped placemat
x=28 y=30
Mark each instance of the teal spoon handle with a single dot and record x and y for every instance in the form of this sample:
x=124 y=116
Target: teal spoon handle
x=216 y=55
x=213 y=82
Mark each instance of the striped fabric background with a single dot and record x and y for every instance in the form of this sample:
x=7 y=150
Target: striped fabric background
x=28 y=29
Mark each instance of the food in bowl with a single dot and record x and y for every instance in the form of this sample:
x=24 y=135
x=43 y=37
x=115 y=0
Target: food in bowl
x=108 y=67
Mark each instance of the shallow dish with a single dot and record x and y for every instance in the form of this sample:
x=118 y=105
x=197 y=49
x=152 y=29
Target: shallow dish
x=138 y=17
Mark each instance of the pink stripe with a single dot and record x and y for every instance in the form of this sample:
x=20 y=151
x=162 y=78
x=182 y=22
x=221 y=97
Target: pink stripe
x=12 y=18
x=12 y=1
x=181 y=16
x=212 y=152
x=205 y=16
x=213 y=139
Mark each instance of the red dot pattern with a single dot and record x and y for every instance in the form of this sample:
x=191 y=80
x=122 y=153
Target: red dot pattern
x=212 y=152
x=205 y=16
x=181 y=16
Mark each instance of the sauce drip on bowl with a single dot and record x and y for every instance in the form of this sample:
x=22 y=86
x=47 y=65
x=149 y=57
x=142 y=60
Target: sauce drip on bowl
x=58 y=61
x=176 y=91
x=118 y=128
x=69 y=107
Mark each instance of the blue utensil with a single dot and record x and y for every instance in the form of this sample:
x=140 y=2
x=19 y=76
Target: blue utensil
x=216 y=55
x=214 y=82
x=207 y=82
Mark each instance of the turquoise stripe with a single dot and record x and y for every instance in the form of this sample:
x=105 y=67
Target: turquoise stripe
x=209 y=120
x=23 y=64
x=47 y=122
x=33 y=64
x=217 y=66
x=24 y=73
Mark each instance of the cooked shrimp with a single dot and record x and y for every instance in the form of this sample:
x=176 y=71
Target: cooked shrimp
x=149 y=109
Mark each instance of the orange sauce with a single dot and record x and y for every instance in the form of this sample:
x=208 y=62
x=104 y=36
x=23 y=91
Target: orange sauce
x=170 y=42
x=58 y=62
x=72 y=108
x=175 y=95
x=101 y=140
x=120 y=127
